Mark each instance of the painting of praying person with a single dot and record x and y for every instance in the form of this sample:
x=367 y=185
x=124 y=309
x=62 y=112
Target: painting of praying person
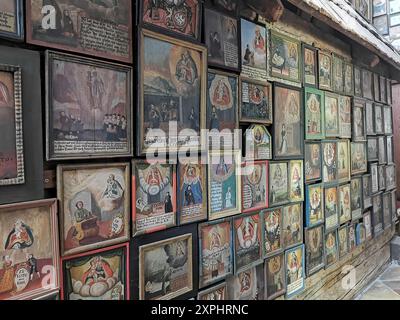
x=254 y=186
x=343 y=160
x=256 y=102
x=218 y=292
x=154 y=196
x=247 y=244
x=359 y=128
x=331 y=115
x=222 y=107
x=224 y=184
x=99 y=28
x=344 y=203
x=247 y=285
x=278 y=183
x=88 y=109
x=97 y=275
x=314 y=205
x=288 y=122
x=325 y=70
x=296 y=181
x=94 y=205
x=258 y=143
x=310 y=65
x=192 y=196
x=254 y=50
x=29 y=254
x=285 y=57
x=173 y=80
x=312 y=161
x=314 y=243
x=166 y=268
x=11 y=147
x=180 y=17
x=292 y=225
x=314 y=115
x=358 y=158
x=11 y=14
x=216 y=256
x=331 y=208
x=329 y=161
x=275 y=284
x=295 y=273
x=221 y=37
x=272 y=230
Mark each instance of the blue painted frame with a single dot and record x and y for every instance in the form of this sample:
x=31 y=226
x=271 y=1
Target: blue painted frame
x=19 y=23
x=294 y=293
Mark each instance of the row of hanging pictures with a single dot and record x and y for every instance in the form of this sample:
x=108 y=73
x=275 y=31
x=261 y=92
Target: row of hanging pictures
x=73 y=134
x=95 y=207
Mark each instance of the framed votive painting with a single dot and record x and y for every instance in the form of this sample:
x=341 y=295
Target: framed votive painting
x=314 y=245
x=256 y=101
x=153 y=196
x=310 y=65
x=180 y=19
x=101 y=274
x=312 y=161
x=172 y=93
x=94 y=205
x=29 y=250
x=215 y=249
x=272 y=225
x=192 y=194
x=314 y=114
x=101 y=29
x=88 y=110
x=12 y=166
x=255 y=188
x=224 y=184
x=288 y=122
x=275 y=285
x=11 y=25
x=314 y=205
x=278 y=183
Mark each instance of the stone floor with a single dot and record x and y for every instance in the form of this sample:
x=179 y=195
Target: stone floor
x=385 y=287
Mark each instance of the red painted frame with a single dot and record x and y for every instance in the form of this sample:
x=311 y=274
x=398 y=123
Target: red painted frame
x=84 y=254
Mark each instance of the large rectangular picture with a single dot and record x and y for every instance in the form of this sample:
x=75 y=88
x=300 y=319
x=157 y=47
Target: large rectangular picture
x=153 y=196
x=11 y=148
x=288 y=122
x=172 y=254
x=94 y=205
x=29 y=250
x=97 y=275
x=88 y=108
x=172 y=93
x=99 y=28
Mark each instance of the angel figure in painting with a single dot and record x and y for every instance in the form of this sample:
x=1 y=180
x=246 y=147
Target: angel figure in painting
x=20 y=237
x=114 y=189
